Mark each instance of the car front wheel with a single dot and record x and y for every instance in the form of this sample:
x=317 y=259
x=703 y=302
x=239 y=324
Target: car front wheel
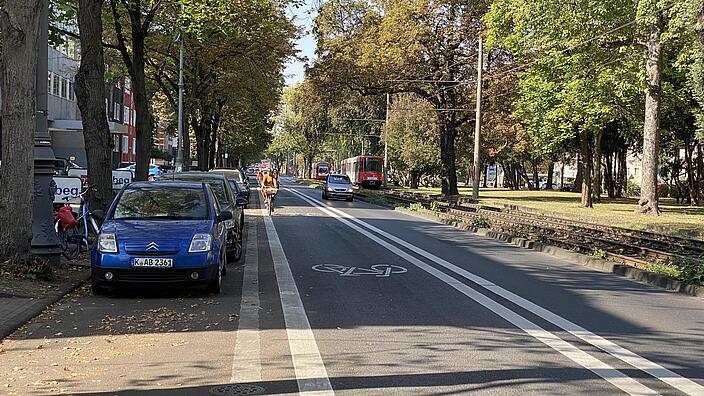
x=236 y=254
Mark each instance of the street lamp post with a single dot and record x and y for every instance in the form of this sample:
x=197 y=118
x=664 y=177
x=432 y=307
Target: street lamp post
x=45 y=242
x=179 y=152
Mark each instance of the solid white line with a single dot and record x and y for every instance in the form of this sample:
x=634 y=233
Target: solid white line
x=615 y=377
x=311 y=375
x=663 y=374
x=246 y=363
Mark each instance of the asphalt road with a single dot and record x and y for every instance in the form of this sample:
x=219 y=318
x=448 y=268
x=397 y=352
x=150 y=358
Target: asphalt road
x=349 y=298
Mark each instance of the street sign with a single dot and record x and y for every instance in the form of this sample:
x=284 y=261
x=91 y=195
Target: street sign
x=119 y=177
x=66 y=189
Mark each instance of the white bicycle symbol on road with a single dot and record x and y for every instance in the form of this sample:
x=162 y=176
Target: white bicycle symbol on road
x=378 y=270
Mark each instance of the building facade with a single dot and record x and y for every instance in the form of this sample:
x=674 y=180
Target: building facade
x=64 y=116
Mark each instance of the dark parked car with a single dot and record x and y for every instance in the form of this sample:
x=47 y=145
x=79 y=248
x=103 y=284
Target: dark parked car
x=163 y=234
x=228 y=201
x=338 y=186
x=240 y=178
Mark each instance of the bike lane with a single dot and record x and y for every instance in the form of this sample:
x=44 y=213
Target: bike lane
x=381 y=330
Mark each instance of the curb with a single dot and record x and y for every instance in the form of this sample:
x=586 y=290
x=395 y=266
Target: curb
x=13 y=323
x=598 y=264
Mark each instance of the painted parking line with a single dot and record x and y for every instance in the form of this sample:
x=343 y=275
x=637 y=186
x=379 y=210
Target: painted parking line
x=311 y=375
x=598 y=367
x=246 y=362
x=655 y=370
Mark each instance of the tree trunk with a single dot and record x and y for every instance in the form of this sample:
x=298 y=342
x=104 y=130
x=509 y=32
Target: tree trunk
x=143 y=123
x=596 y=167
x=579 y=177
x=19 y=21
x=551 y=171
x=90 y=94
x=609 y=175
x=587 y=162
x=448 y=172
x=622 y=173
x=415 y=180
x=648 y=203
x=536 y=176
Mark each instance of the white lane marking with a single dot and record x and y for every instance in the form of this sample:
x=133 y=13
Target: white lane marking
x=246 y=363
x=605 y=371
x=311 y=375
x=663 y=374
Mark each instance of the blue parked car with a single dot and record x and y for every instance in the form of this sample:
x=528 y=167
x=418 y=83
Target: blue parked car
x=154 y=171
x=161 y=234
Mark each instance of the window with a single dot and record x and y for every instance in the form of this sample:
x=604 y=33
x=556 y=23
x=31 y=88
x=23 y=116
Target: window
x=70 y=91
x=48 y=87
x=125 y=115
x=116 y=111
x=125 y=141
x=64 y=88
x=128 y=84
x=55 y=89
x=134 y=145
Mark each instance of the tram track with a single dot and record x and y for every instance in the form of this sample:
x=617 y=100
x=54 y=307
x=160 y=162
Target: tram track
x=625 y=246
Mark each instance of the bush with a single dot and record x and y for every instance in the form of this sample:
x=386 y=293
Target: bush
x=664 y=269
x=599 y=253
x=434 y=206
x=632 y=189
x=691 y=270
x=480 y=221
x=415 y=207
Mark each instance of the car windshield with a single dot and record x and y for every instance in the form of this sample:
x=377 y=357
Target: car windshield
x=373 y=165
x=339 y=179
x=155 y=203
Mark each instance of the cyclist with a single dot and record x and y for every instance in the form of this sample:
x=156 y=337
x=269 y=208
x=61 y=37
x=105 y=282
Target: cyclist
x=270 y=185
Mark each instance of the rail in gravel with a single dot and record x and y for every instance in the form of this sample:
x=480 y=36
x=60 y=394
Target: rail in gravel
x=630 y=247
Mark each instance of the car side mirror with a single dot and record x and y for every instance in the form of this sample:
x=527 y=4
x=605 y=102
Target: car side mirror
x=98 y=214
x=241 y=201
x=224 y=215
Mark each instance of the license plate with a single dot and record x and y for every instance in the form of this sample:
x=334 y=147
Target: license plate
x=153 y=262
x=372 y=178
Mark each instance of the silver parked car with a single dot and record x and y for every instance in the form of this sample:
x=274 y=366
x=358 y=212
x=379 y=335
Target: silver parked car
x=338 y=186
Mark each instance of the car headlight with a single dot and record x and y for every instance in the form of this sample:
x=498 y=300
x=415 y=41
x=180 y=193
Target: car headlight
x=349 y=189
x=107 y=243
x=229 y=224
x=200 y=243
x=331 y=189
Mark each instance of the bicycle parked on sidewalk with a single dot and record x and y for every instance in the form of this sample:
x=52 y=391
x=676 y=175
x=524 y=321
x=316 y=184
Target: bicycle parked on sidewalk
x=74 y=232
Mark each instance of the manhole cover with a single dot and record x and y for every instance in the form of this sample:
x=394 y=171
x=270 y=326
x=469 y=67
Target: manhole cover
x=237 y=389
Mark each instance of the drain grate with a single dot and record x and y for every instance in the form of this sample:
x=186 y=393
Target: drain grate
x=236 y=389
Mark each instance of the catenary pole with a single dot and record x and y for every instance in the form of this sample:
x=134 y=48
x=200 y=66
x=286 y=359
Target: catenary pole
x=386 y=143
x=478 y=123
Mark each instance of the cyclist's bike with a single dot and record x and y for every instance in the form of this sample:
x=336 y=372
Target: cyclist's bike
x=270 y=194
x=74 y=239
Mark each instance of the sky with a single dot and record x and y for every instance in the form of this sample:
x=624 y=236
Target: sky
x=305 y=45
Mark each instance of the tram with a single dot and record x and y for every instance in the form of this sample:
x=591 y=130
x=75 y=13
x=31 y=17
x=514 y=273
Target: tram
x=365 y=170
x=320 y=170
